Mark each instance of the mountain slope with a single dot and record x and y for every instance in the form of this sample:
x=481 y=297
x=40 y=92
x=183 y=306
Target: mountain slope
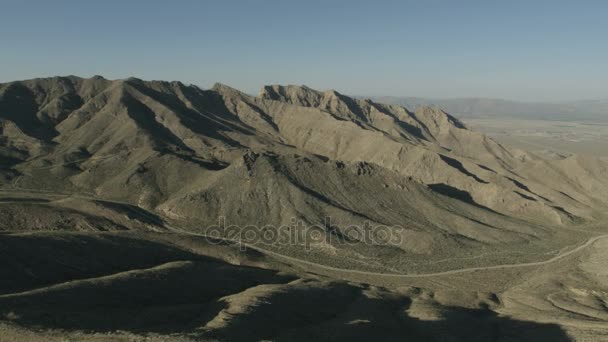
x=293 y=153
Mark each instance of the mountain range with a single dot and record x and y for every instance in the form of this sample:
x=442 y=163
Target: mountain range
x=113 y=193
x=194 y=156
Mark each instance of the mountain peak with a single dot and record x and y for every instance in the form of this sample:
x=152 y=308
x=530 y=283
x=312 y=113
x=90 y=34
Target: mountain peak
x=294 y=94
x=225 y=89
x=439 y=116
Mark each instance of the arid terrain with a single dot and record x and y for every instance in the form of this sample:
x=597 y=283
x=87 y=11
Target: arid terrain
x=152 y=210
x=547 y=136
x=579 y=127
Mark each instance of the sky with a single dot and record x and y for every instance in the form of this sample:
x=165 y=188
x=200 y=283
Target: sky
x=521 y=50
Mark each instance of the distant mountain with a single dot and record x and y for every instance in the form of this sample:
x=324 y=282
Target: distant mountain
x=194 y=156
x=591 y=110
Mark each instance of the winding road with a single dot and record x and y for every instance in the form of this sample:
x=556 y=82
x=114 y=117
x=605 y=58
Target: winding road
x=297 y=261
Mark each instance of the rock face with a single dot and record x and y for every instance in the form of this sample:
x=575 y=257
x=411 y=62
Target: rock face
x=290 y=153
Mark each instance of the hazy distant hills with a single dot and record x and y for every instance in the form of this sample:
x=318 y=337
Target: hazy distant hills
x=590 y=110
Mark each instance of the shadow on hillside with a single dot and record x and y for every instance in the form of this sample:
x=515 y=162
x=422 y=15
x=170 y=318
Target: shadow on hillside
x=461 y=195
x=317 y=318
x=213 y=116
x=23 y=200
x=134 y=212
x=182 y=297
x=31 y=261
x=109 y=282
x=458 y=166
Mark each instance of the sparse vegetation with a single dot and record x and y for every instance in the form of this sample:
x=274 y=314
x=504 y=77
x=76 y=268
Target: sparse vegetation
x=110 y=190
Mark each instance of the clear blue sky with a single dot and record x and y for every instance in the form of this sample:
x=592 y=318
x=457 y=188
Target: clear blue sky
x=524 y=50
